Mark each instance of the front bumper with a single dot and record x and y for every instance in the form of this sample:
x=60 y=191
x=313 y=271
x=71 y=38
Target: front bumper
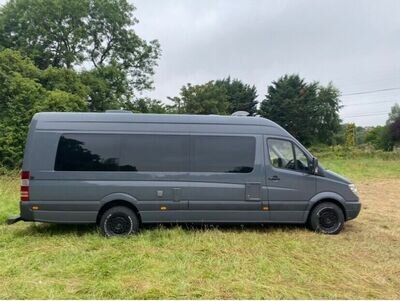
x=352 y=210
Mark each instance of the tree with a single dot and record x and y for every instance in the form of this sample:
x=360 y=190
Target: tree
x=78 y=33
x=326 y=113
x=65 y=80
x=350 y=135
x=147 y=105
x=394 y=114
x=108 y=88
x=309 y=111
x=393 y=123
x=25 y=90
x=241 y=97
x=360 y=135
x=379 y=137
x=208 y=98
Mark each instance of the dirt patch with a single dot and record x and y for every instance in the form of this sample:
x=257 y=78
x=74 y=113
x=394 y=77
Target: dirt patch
x=380 y=203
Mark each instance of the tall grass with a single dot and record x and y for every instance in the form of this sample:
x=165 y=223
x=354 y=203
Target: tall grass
x=59 y=262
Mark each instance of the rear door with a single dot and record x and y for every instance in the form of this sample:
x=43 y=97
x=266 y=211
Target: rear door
x=289 y=182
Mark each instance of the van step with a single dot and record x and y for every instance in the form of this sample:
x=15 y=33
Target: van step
x=13 y=219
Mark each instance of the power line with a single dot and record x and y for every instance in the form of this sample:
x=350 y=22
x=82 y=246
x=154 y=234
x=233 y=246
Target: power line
x=370 y=91
x=368 y=103
x=375 y=114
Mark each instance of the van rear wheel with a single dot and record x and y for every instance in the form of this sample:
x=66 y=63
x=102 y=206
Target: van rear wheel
x=327 y=218
x=119 y=221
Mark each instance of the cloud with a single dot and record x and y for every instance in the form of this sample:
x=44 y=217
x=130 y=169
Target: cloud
x=354 y=44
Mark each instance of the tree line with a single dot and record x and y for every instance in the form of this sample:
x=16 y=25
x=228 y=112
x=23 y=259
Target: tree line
x=85 y=56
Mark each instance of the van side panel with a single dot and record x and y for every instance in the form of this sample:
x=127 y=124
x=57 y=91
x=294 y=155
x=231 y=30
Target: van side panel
x=76 y=196
x=80 y=193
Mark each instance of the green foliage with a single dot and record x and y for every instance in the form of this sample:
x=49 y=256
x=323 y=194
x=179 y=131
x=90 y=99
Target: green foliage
x=49 y=32
x=308 y=111
x=60 y=101
x=388 y=136
x=350 y=135
x=393 y=123
x=394 y=114
x=147 y=105
x=361 y=132
x=241 y=97
x=74 y=33
x=208 y=98
x=65 y=80
x=365 y=151
x=325 y=115
x=222 y=97
x=379 y=137
x=109 y=88
x=26 y=90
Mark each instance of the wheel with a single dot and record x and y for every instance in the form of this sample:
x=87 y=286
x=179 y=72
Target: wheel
x=119 y=220
x=327 y=218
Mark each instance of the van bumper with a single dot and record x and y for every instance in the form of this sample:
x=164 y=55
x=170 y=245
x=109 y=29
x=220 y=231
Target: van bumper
x=13 y=219
x=352 y=210
x=62 y=214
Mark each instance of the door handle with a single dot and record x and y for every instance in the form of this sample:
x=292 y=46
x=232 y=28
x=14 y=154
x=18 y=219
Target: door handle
x=274 y=178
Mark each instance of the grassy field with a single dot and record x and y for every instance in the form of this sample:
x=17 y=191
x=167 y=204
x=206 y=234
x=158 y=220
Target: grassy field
x=50 y=261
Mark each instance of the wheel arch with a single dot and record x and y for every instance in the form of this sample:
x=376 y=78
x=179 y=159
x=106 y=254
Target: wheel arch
x=118 y=199
x=326 y=197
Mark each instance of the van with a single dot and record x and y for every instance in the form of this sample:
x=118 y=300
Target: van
x=120 y=170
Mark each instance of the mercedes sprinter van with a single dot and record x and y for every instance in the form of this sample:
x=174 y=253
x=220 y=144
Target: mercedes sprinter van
x=120 y=170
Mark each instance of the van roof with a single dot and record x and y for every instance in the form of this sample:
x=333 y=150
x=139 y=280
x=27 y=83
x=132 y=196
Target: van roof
x=124 y=117
x=127 y=121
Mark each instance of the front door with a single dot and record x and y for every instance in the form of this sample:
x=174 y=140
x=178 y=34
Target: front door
x=289 y=181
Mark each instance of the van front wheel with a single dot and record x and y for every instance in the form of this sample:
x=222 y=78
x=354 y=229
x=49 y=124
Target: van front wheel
x=118 y=221
x=327 y=218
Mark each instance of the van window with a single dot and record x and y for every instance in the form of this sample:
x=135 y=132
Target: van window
x=281 y=153
x=162 y=153
x=154 y=153
x=229 y=154
x=284 y=154
x=302 y=162
x=87 y=152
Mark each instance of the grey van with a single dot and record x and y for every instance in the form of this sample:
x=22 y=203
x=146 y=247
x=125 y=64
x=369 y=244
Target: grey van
x=120 y=170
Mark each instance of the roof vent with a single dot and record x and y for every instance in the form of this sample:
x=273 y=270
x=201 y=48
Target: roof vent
x=240 y=113
x=118 y=111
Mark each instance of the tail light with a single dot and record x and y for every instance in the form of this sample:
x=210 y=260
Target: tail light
x=24 y=186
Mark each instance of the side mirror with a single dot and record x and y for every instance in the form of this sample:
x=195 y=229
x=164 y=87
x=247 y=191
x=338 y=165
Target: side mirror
x=314 y=166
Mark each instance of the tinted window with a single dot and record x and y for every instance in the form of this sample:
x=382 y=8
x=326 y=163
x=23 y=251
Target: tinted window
x=154 y=153
x=223 y=154
x=164 y=153
x=87 y=152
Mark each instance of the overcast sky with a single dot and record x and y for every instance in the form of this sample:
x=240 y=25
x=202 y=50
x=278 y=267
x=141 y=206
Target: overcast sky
x=354 y=44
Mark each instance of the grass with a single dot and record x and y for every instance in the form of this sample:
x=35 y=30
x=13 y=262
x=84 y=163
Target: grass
x=50 y=261
x=361 y=169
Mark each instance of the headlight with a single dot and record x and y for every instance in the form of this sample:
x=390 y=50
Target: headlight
x=353 y=188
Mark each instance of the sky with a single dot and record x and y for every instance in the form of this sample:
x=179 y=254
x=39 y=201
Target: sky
x=353 y=44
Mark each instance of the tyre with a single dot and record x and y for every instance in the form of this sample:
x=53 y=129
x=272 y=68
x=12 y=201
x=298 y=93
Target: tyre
x=118 y=221
x=327 y=218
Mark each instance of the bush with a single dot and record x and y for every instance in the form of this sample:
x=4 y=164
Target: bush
x=361 y=151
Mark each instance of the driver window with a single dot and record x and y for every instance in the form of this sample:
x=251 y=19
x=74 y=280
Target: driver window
x=301 y=160
x=281 y=153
